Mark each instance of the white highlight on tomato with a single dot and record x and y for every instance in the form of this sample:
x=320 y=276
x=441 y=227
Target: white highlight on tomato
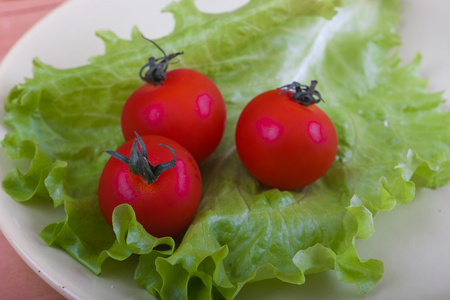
x=269 y=130
x=204 y=104
x=315 y=131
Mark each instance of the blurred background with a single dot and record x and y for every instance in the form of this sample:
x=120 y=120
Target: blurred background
x=17 y=16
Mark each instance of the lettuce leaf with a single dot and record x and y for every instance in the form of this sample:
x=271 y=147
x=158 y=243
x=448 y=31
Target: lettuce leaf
x=243 y=231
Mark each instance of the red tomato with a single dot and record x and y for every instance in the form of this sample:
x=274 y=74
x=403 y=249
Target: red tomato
x=182 y=104
x=187 y=107
x=283 y=143
x=164 y=207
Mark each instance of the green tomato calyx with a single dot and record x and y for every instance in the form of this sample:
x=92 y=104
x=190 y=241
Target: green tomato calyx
x=156 y=68
x=303 y=94
x=139 y=164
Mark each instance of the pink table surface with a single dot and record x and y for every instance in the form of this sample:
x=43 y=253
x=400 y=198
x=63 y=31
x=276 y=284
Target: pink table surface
x=18 y=281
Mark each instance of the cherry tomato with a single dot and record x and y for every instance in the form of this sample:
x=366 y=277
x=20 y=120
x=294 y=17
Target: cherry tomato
x=182 y=104
x=284 y=142
x=164 y=207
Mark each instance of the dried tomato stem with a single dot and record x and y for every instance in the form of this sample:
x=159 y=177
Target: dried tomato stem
x=139 y=164
x=303 y=94
x=156 y=68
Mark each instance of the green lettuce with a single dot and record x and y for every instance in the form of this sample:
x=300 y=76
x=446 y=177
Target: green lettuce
x=243 y=231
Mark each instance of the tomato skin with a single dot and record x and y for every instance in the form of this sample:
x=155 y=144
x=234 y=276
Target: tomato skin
x=188 y=108
x=164 y=207
x=284 y=144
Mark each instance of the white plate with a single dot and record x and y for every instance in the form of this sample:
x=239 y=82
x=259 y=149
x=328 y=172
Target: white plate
x=413 y=241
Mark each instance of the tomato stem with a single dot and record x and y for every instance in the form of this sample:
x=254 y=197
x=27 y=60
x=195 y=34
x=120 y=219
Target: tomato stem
x=139 y=164
x=303 y=94
x=157 y=67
